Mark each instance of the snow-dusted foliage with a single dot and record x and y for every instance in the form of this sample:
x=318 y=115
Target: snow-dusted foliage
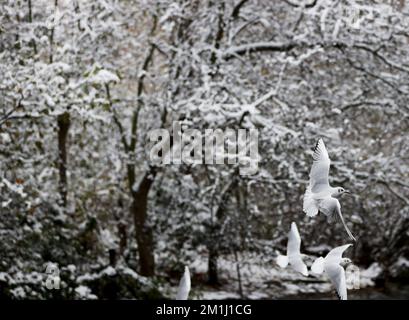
x=81 y=84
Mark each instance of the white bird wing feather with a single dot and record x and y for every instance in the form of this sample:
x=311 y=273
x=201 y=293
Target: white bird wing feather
x=335 y=271
x=294 y=241
x=329 y=206
x=293 y=250
x=282 y=261
x=320 y=168
x=335 y=255
x=332 y=209
x=184 y=286
x=336 y=274
x=318 y=266
x=310 y=206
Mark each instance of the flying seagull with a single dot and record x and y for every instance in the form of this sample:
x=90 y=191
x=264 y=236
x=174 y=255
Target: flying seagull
x=332 y=265
x=320 y=196
x=293 y=252
x=184 y=286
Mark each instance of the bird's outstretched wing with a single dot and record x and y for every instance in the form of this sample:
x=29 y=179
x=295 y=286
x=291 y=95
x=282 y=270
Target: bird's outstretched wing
x=318 y=266
x=329 y=206
x=335 y=255
x=310 y=206
x=336 y=274
x=294 y=241
x=320 y=168
x=335 y=271
x=184 y=286
x=332 y=209
x=293 y=251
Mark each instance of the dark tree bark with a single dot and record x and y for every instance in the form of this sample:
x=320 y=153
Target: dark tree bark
x=215 y=235
x=63 y=121
x=212 y=269
x=112 y=257
x=212 y=272
x=139 y=194
x=123 y=238
x=236 y=257
x=143 y=230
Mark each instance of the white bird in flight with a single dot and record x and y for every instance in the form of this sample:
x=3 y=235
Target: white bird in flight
x=184 y=286
x=320 y=196
x=332 y=265
x=293 y=252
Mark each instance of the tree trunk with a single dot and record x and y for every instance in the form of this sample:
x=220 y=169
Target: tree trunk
x=144 y=236
x=215 y=237
x=212 y=273
x=112 y=257
x=236 y=257
x=63 y=121
x=123 y=238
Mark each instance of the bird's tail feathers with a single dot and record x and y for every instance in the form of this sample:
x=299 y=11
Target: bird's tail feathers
x=309 y=206
x=282 y=261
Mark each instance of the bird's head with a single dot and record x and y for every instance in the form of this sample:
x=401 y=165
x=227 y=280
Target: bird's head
x=341 y=191
x=345 y=261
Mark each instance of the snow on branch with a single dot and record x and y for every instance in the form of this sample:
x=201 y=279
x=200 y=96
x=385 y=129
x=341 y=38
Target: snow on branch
x=258 y=47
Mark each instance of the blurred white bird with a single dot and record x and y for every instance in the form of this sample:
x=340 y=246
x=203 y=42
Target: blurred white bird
x=320 y=196
x=293 y=252
x=184 y=286
x=332 y=265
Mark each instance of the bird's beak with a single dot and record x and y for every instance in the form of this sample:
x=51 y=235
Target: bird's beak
x=347 y=192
